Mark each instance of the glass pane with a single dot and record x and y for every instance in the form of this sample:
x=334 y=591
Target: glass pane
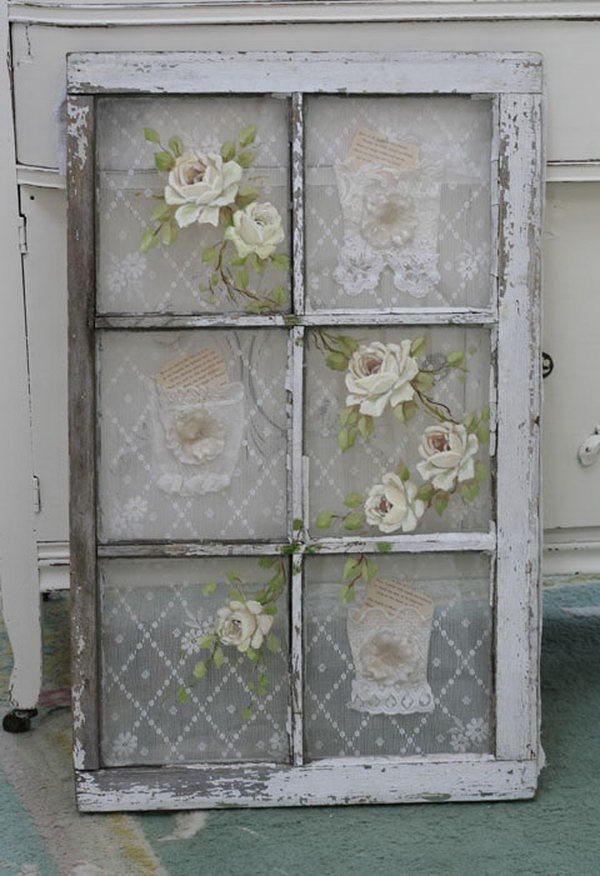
x=155 y=709
x=201 y=191
x=192 y=429
x=398 y=202
x=405 y=667
x=428 y=471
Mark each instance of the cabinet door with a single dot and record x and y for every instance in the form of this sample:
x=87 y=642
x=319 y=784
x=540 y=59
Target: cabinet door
x=304 y=416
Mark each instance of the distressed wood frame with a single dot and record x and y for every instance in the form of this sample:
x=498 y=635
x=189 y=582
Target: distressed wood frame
x=514 y=83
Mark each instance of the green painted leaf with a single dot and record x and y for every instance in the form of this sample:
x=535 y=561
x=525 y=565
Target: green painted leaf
x=253 y=655
x=176 y=146
x=483 y=434
x=440 y=503
x=455 y=360
x=423 y=381
x=267 y=562
x=182 y=695
x=247 y=135
x=149 y=240
x=417 y=348
x=425 y=492
x=279 y=295
x=353 y=500
x=410 y=409
x=237 y=595
x=207 y=641
x=218 y=657
x=280 y=261
x=403 y=472
x=399 y=412
x=199 y=669
x=242 y=278
x=297 y=524
x=270 y=609
x=383 y=547
x=347 y=594
x=164 y=161
x=228 y=150
x=351 y=567
x=162 y=211
x=337 y=361
x=369 y=569
x=233 y=577
x=247 y=714
x=470 y=422
x=365 y=427
x=151 y=135
x=168 y=233
x=225 y=217
x=349 y=416
x=346 y=439
x=209 y=256
x=273 y=643
x=324 y=520
x=480 y=472
x=245 y=159
x=354 y=521
x=470 y=490
x=209 y=588
x=485 y=414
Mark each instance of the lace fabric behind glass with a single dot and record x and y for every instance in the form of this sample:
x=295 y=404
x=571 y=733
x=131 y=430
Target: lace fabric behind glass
x=197 y=437
x=390 y=653
x=390 y=221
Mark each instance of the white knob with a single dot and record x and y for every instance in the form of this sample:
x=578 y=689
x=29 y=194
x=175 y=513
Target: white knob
x=590 y=449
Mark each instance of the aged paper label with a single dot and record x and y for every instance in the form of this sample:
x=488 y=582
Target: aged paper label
x=368 y=146
x=393 y=595
x=206 y=367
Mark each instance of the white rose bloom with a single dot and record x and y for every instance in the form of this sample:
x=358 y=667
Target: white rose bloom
x=196 y=437
x=392 y=505
x=447 y=451
x=378 y=373
x=201 y=183
x=256 y=228
x=243 y=624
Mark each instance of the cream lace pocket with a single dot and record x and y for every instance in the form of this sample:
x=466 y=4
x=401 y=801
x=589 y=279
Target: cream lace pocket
x=198 y=436
x=390 y=221
x=390 y=653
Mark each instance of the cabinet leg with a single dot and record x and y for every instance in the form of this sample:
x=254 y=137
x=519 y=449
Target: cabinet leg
x=19 y=720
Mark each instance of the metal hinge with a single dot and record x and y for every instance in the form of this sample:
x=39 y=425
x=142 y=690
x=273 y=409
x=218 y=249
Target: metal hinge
x=22 y=234
x=37 y=499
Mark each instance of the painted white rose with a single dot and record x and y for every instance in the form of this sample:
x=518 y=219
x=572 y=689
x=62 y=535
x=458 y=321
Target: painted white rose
x=386 y=657
x=200 y=183
x=196 y=437
x=243 y=624
x=257 y=228
x=392 y=505
x=447 y=451
x=378 y=373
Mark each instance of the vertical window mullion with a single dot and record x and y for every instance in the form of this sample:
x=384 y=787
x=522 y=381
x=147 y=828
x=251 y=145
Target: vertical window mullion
x=296 y=358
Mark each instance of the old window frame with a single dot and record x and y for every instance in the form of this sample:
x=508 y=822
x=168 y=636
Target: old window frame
x=514 y=84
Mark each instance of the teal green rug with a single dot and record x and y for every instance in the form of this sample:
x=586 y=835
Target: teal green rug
x=557 y=833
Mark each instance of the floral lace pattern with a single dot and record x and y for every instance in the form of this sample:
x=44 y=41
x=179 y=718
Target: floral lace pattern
x=390 y=221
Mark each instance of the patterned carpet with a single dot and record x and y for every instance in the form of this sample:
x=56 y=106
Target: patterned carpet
x=41 y=833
